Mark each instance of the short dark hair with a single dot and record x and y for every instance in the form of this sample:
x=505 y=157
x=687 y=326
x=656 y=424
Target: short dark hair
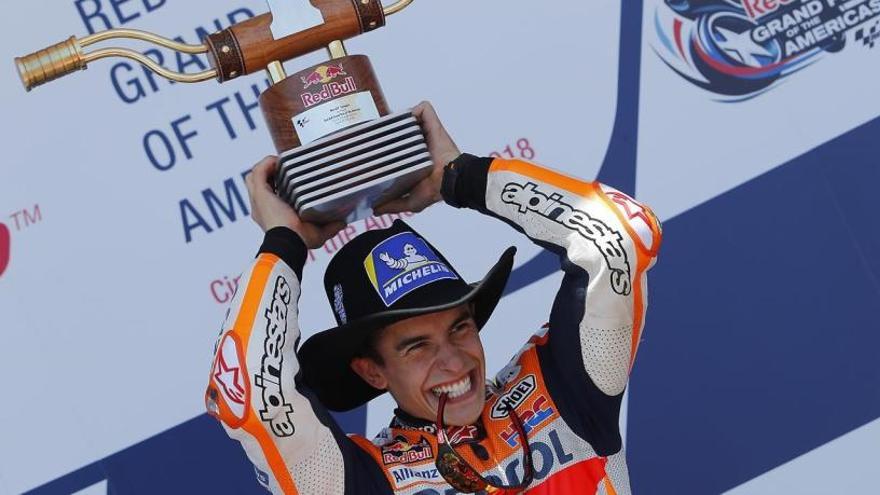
x=370 y=350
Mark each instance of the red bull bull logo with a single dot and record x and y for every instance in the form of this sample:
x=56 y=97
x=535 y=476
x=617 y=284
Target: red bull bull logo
x=323 y=75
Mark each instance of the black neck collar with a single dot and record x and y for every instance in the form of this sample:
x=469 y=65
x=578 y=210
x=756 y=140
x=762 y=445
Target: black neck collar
x=457 y=434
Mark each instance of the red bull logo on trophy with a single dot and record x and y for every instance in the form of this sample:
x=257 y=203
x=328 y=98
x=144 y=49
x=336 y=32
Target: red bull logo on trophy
x=325 y=76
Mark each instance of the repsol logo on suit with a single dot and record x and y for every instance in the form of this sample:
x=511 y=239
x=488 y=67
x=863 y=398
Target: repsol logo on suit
x=547 y=456
x=276 y=410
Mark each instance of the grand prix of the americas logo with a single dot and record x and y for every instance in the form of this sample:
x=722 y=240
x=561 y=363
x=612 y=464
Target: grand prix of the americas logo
x=739 y=49
x=276 y=410
x=608 y=241
x=5 y=247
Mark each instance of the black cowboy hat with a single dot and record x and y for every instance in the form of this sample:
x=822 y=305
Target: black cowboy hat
x=381 y=277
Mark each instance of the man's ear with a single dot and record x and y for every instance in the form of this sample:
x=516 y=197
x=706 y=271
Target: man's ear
x=369 y=372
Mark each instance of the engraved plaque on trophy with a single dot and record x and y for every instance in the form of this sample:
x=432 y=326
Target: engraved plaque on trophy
x=341 y=150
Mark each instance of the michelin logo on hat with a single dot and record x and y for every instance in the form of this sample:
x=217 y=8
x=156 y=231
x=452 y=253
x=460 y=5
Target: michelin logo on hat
x=401 y=264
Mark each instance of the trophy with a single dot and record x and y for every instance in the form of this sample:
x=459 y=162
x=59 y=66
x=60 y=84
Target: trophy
x=341 y=150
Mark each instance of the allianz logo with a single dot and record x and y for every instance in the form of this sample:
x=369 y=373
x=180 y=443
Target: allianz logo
x=406 y=475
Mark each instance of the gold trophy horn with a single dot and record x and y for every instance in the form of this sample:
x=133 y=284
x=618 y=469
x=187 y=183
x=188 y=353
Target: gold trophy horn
x=68 y=57
x=245 y=44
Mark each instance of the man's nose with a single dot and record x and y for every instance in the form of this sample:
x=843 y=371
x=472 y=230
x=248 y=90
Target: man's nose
x=451 y=359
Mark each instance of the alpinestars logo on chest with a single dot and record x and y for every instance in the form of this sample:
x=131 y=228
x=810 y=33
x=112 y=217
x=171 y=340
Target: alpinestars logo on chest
x=608 y=241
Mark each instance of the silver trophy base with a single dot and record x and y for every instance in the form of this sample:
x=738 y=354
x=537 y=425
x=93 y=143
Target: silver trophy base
x=343 y=176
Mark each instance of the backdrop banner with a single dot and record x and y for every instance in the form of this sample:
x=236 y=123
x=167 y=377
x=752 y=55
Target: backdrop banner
x=749 y=126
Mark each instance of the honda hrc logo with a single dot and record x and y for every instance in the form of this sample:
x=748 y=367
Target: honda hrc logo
x=514 y=397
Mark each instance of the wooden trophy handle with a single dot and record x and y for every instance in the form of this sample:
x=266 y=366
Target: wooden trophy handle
x=249 y=46
x=242 y=49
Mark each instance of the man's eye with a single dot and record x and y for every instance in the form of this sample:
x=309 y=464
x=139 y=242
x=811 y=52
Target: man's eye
x=461 y=328
x=415 y=347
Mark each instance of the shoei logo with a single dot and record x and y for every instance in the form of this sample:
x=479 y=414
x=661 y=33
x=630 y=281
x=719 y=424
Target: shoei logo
x=401 y=264
x=514 y=397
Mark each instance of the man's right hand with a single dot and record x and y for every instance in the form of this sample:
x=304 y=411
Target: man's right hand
x=270 y=211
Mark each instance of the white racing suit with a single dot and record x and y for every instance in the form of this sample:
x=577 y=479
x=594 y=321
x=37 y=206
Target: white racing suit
x=566 y=383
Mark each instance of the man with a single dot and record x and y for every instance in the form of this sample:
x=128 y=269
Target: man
x=408 y=324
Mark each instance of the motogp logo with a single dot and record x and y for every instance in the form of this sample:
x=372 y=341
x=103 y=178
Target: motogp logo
x=739 y=49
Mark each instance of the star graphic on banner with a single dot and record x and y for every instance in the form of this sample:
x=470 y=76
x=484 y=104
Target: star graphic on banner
x=230 y=379
x=741 y=47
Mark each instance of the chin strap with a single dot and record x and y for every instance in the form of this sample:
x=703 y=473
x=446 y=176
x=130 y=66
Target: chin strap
x=462 y=476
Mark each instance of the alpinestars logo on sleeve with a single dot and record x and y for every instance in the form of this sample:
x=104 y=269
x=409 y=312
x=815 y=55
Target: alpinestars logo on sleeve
x=276 y=410
x=608 y=241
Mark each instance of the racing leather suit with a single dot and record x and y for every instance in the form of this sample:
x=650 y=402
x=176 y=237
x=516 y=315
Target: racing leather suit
x=566 y=383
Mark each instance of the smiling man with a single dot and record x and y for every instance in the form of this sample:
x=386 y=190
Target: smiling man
x=409 y=324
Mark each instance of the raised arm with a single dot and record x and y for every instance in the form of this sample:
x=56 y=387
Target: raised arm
x=606 y=242
x=253 y=389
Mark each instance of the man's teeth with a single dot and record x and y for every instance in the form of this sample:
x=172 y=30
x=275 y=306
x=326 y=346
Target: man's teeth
x=454 y=390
